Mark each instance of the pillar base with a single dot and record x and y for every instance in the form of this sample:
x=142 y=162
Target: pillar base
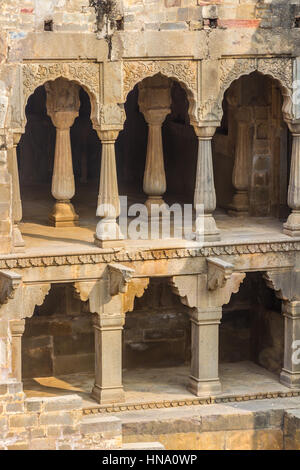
x=204 y=388
x=237 y=213
x=292 y=225
x=108 y=243
x=234 y=211
x=240 y=205
x=18 y=242
x=108 y=234
x=63 y=215
x=290 y=379
x=207 y=230
x=108 y=395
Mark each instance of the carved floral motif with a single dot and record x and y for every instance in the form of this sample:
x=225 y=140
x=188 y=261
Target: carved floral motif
x=279 y=68
x=184 y=71
x=35 y=75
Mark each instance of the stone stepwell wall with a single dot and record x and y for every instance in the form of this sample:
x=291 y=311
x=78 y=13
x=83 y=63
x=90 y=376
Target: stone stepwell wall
x=17 y=16
x=57 y=423
x=54 y=423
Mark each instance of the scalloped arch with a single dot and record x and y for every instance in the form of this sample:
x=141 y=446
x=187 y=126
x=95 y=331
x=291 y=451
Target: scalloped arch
x=184 y=72
x=279 y=69
x=84 y=74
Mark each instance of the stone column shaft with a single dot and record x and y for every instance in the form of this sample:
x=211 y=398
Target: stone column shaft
x=17 y=329
x=292 y=226
x=18 y=242
x=204 y=379
x=155 y=184
x=108 y=386
x=240 y=175
x=6 y=225
x=108 y=199
x=290 y=375
x=205 y=194
x=63 y=107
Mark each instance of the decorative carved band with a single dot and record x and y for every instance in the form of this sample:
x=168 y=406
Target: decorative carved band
x=23 y=262
x=150 y=405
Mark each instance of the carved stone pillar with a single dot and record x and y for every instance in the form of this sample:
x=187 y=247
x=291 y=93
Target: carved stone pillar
x=63 y=107
x=108 y=200
x=204 y=378
x=5 y=197
x=108 y=386
x=17 y=329
x=240 y=176
x=205 y=294
x=18 y=242
x=205 y=194
x=292 y=226
x=290 y=375
x=154 y=103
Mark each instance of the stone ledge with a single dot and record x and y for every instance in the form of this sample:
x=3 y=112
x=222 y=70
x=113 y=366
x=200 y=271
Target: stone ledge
x=95 y=424
x=143 y=446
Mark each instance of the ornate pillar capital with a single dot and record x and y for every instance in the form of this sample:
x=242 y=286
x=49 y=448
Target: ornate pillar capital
x=204 y=132
x=108 y=136
x=108 y=322
x=62 y=96
x=206 y=316
x=294 y=128
x=17 y=327
x=63 y=120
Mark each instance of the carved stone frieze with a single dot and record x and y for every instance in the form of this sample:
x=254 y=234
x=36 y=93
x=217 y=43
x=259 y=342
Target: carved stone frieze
x=120 y=256
x=185 y=71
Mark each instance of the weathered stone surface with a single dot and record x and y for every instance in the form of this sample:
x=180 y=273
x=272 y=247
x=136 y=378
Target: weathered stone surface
x=224 y=81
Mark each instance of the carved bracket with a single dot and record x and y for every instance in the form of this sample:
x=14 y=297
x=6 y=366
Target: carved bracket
x=119 y=277
x=218 y=273
x=185 y=287
x=114 y=294
x=136 y=288
x=33 y=295
x=9 y=282
x=194 y=292
x=285 y=283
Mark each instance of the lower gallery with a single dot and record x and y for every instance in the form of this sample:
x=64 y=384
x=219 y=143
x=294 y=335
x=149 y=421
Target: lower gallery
x=149 y=225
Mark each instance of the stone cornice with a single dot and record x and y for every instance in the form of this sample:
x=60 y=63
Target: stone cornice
x=115 y=256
